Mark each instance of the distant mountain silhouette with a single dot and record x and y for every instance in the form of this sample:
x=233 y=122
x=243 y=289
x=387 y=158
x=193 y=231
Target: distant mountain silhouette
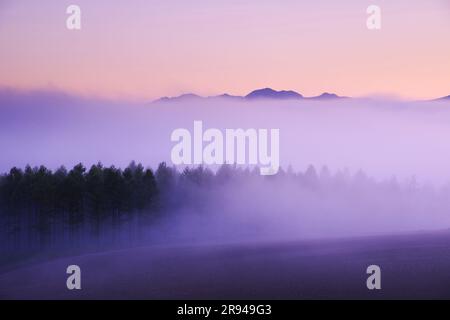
x=183 y=97
x=226 y=96
x=268 y=93
x=327 y=96
x=265 y=93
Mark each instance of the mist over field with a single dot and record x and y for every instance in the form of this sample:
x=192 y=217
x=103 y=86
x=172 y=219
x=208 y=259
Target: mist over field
x=350 y=168
x=294 y=209
x=380 y=165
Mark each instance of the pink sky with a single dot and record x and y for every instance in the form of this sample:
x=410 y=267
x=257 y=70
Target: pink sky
x=140 y=49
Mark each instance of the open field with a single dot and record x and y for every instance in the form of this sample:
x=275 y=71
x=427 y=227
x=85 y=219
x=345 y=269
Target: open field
x=413 y=266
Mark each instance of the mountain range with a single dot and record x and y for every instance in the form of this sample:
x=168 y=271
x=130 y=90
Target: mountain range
x=265 y=93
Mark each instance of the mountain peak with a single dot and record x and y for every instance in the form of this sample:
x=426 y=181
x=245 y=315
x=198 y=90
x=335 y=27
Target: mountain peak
x=183 y=97
x=326 y=96
x=269 y=93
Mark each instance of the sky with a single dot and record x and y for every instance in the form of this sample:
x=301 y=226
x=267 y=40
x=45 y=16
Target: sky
x=140 y=50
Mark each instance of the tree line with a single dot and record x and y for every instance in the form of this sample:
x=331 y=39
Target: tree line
x=40 y=207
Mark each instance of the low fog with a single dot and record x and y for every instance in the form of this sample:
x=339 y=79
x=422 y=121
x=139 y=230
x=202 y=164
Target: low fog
x=387 y=162
x=303 y=206
x=383 y=138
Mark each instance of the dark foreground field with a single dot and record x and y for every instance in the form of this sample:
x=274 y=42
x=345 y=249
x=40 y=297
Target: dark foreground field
x=413 y=266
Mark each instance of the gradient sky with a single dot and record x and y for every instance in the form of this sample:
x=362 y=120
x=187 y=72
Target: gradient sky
x=139 y=49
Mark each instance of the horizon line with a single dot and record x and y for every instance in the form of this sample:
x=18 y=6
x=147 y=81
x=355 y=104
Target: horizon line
x=129 y=98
